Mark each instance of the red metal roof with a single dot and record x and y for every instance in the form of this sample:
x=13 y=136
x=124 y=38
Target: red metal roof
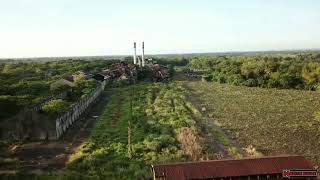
x=231 y=168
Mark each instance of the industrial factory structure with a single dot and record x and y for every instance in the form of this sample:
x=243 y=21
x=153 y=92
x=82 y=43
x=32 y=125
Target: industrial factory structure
x=136 y=59
x=158 y=72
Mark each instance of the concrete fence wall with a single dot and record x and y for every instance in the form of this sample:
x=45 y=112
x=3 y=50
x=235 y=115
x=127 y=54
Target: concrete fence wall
x=63 y=122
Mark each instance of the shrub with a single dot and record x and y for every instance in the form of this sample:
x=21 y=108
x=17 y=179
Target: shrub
x=56 y=106
x=190 y=142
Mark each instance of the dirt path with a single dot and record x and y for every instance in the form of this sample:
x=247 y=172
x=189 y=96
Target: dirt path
x=223 y=145
x=52 y=156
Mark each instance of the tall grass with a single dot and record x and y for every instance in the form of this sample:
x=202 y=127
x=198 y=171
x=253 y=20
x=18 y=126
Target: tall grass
x=160 y=115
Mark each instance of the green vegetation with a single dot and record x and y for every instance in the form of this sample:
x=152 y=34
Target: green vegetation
x=294 y=71
x=273 y=121
x=26 y=176
x=157 y=122
x=55 y=107
x=8 y=161
x=123 y=146
x=24 y=84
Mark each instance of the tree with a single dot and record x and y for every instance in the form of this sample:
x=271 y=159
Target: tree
x=55 y=107
x=83 y=86
x=311 y=74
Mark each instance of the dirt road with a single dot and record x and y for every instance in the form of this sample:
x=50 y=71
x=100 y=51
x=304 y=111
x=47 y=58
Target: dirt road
x=222 y=144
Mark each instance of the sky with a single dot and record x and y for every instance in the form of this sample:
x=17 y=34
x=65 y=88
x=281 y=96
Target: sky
x=44 y=28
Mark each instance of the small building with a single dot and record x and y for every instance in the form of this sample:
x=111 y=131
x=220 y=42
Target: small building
x=248 y=168
x=60 y=83
x=70 y=78
x=100 y=77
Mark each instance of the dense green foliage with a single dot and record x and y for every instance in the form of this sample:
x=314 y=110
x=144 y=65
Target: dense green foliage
x=82 y=87
x=123 y=146
x=55 y=107
x=298 y=72
x=27 y=83
x=173 y=61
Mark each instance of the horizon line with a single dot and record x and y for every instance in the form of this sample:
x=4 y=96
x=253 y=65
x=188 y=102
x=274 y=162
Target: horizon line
x=184 y=53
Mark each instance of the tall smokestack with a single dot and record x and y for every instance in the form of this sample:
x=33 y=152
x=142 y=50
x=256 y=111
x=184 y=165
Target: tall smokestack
x=142 y=58
x=139 y=61
x=135 y=53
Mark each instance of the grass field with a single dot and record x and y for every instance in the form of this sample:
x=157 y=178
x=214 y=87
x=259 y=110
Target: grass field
x=273 y=121
x=145 y=124
x=160 y=122
x=162 y=128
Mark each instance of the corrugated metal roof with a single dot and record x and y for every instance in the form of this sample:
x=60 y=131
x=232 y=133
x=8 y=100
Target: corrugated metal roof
x=231 y=168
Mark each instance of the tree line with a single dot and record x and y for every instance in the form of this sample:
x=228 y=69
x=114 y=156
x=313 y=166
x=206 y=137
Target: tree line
x=300 y=71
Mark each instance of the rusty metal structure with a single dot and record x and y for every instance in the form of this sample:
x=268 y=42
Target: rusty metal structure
x=120 y=71
x=249 y=168
x=159 y=72
x=149 y=68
